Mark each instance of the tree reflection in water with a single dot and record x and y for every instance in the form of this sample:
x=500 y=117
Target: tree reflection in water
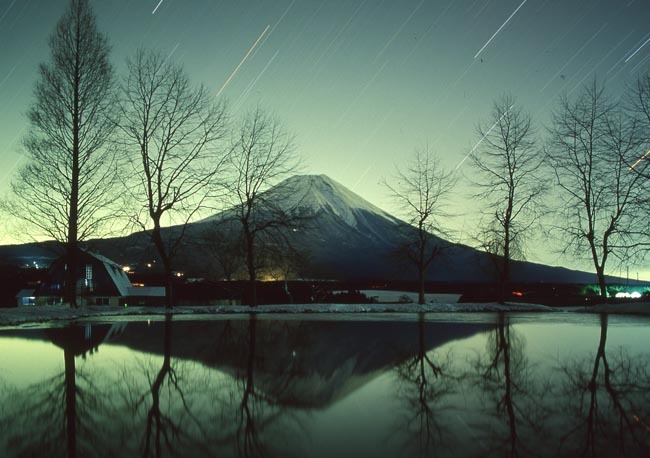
x=251 y=413
x=60 y=415
x=511 y=395
x=249 y=387
x=165 y=428
x=251 y=420
x=608 y=403
x=424 y=383
x=185 y=407
x=165 y=405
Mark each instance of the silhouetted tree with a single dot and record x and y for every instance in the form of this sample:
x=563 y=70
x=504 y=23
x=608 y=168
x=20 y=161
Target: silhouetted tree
x=638 y=108
x=223 y=244
x=263 y=154
x=172 y=132
x=509 y=183
x=421 y=190
x=279 y=260
x=66 y=187
x=592 y=144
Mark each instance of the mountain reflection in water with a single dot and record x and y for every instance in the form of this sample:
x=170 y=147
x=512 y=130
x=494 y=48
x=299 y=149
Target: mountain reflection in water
x=258 y=386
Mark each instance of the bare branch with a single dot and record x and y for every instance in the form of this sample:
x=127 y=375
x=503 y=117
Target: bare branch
x=592 y=144
x=510 y=185
x=173 y=133
x=421 y=190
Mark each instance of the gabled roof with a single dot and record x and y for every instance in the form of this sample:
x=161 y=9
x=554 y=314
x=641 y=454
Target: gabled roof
x=122 y=282
x=118 y=276
x=25 y=293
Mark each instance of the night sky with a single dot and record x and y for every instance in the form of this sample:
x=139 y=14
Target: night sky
x=360 y=83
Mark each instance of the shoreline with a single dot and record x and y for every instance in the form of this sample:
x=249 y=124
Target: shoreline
x=39 y=315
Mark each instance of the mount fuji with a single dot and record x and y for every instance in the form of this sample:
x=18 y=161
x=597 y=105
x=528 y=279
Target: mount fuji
x=352 y=239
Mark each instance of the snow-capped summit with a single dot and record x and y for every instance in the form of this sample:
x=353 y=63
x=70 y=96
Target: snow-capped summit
x=320 y=192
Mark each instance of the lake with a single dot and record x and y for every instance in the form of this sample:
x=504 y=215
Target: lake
x=389 y=385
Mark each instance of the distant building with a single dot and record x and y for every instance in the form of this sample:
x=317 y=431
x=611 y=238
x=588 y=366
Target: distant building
x=25 y=297
x=100 y=281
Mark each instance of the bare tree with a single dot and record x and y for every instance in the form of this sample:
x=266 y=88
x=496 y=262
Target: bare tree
x=591 y=147
x=173 y=130
x=509 y=183
x=222 y=242
x=64 y=190
x=421 y=190
x=263 y=154
x=638 y=108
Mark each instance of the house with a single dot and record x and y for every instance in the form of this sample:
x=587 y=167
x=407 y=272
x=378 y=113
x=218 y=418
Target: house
x=100 y=281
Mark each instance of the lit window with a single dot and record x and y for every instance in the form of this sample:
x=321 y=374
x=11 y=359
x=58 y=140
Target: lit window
x=89 y=277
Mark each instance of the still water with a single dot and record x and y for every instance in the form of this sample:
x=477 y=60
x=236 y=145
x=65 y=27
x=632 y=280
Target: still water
x=321 y=386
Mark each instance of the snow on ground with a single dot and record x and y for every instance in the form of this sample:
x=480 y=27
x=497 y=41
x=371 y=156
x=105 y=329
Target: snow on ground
x=45 y=315
x=388 y=297
x=629 y=308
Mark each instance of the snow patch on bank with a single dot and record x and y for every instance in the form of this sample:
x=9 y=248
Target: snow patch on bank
x=43 y=316
x=629 y=308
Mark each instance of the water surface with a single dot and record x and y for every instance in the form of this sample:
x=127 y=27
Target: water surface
x=319 y=386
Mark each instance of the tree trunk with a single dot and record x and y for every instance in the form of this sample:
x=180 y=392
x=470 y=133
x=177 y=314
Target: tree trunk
x=250 y=265
x=169 y=285
x=421 y=266
x=505 y=275
x=421 y=300
x=598 y=264
x=505 y=270
x=602 y=285
x=71 y=261
x=156 y=236
x=73 y=216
